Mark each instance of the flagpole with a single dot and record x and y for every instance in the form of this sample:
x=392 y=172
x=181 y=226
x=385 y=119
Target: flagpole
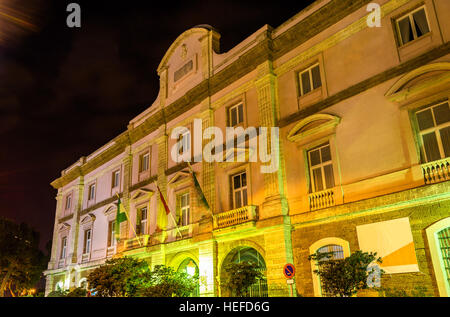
x=201 y=190
x=129 y=221
x=171 y=216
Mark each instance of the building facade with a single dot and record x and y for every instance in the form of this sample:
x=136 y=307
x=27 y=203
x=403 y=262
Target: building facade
x=362 y=162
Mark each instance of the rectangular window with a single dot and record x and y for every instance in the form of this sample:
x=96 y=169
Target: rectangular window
x=111 y=233
x=68 y=202
x=87 y=241
x=309 y=79
x=239 y=190
x=115 y=179
x=144 y=162
x=320 y=168
x=434 y=131
x=412 y=26
x=143 y=221
x=184 y=143
x=184 y=209
x=91 y=194
x=63 y=248
x=236 y=115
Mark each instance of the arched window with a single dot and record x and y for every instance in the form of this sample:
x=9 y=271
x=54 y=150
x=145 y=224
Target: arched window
x=191 y=268
x=337 y=248
x=248 y=254
x=336 y=252
x=438 y=235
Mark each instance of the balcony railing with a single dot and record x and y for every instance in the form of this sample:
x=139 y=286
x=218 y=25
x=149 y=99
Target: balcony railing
x=110 y=251
x=85 y=257
x=323 y=199
x=235 y=217
x=437 y=171
x=137 y=242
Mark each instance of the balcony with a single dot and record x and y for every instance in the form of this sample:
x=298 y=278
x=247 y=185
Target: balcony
x=110 y=251
x=137 y=242
x=85 y=257
x=234 y=217
x=323 y=199
x=436 y=171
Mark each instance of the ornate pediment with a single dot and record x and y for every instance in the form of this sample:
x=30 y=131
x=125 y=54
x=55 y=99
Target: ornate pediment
x=64 y=227
x=111 y=208
x=88 y=219
x=142 y=193
x=313 y=127
x=180 y=177
x=422 y=82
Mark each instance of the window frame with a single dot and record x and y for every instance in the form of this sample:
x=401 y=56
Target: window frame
x=113 y=179
x=321 y=165
x=310 y=77
x=91 y=197
x=63 y=251
x=435 y=129
x=181 y=209
x=240 y=189
x=141 y=162
x=87 y=247
x=68 y=199
x=143 y=224
x=409 y=14
x=111 y=233
x=239 y=120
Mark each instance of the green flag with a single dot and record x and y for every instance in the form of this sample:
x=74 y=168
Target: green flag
x=199 y=190
x=120 y=217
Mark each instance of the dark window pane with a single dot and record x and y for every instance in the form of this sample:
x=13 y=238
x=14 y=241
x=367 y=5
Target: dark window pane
x=431 y=147
x=326 y=154
x=244 y=194
x=329 y=177
x=314 y=157
x=237 y=182
x=241 y=114
x=306 y=85
x=406 y=33
x=445 y=137
x=442 y=113
x=316 y=77
x=317 y=175
x=237 y=200
x=244 y=179
x=421 y=24
x=233 y=117
x=425 y=119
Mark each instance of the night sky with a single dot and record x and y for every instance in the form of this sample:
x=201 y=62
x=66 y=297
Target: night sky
x=65 y=92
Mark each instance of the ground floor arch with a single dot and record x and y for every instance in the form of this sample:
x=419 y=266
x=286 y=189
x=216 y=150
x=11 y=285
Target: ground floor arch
x=245 y=254
x=190 y=267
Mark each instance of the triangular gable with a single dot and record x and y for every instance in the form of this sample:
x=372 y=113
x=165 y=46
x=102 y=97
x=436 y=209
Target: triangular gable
x=180 y=177
x=88 y=219
x=142 y=192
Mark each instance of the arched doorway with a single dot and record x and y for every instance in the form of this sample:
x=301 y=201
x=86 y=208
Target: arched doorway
x=189 y=267
x=246 y=254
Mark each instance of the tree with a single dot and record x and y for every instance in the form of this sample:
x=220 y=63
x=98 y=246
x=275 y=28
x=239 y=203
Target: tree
x=21 y=261
x=117 y=277
x=240 y=276
x=163 y=281
x=344 y=277
x=129 y=277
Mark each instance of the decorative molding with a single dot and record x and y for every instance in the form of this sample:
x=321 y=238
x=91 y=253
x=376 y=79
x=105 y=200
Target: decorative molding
x=326 y=124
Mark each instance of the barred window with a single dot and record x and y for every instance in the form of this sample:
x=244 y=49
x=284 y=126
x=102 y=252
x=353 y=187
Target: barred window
x=444 y=244
x=336 y=252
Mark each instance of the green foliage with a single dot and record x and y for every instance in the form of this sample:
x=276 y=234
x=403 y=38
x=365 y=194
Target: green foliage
x=165 y=282
x=117 y=277
x=240 y=276
x=343 y=277
x=57 y=293
x=77 y=292
x=21 y=261
x=128 y=277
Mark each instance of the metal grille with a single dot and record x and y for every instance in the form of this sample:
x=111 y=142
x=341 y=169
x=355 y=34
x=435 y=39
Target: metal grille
x=337 y=254
x=444 y=243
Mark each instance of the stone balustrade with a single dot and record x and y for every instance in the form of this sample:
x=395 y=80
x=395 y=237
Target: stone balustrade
x=323 y=199
x=235 y=217
x=436 y=171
